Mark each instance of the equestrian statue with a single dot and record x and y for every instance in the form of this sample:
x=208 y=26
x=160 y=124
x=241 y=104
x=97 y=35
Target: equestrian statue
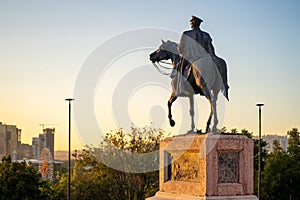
x=196 y=70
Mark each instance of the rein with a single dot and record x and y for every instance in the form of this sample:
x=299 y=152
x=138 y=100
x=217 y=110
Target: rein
x=166 y=63
x=158 y=66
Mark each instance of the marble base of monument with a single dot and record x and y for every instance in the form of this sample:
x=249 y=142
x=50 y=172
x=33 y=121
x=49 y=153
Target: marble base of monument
x=174 y=196
x=206 y=167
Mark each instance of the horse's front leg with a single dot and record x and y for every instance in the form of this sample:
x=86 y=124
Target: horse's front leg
x=170 y=102
x=192 y=113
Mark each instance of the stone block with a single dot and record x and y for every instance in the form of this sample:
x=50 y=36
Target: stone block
x=210 y=166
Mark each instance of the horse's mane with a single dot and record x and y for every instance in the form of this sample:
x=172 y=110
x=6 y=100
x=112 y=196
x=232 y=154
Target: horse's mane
x=171 y=46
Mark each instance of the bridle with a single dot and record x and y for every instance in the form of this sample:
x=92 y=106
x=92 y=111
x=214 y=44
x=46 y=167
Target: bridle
x=161 y=69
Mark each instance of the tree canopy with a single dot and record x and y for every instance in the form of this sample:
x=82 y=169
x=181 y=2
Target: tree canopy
x=282 y=171
x=19 y=181
x=106 y=172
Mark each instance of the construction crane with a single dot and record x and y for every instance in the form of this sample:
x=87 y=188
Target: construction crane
x=43 y=125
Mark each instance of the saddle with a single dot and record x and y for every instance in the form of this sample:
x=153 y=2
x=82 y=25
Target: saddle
x=185 y=81
x=185 y=69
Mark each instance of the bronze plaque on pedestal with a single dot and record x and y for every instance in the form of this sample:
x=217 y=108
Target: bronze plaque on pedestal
x=228 y=167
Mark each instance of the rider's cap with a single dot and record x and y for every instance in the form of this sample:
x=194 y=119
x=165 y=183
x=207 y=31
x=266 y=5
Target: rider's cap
x=194 y=18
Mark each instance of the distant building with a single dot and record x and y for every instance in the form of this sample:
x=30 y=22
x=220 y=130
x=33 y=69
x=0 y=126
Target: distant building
x=282 y=140
x=24 y=151
x=40 y=153
x=45 y=140
x=63 y=155
x=35 y=148
x=9 y=139
x=10 y=143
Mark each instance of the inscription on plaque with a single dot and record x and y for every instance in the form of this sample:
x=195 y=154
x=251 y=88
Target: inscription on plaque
x=228 y=170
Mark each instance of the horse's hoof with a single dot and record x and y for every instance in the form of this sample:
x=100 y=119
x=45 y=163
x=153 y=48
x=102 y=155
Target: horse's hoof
x=172 y=123
x=208 y=130
x=199 y=131
x=191 y=132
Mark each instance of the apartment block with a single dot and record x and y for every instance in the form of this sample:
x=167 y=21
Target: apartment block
x=9 y=139
x=45 y=140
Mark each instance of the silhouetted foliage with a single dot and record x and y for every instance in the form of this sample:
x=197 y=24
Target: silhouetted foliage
x=19 y=181
x=282 y=171
x=106 y=172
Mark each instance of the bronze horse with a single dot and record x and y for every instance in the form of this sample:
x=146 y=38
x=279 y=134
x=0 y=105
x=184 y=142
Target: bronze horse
x=207 y=77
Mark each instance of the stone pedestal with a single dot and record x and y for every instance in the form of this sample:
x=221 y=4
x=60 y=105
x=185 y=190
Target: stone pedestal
x=211 y=166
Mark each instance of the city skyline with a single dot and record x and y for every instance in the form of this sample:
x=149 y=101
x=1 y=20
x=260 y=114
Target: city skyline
x=45 y=46
x=11 y=143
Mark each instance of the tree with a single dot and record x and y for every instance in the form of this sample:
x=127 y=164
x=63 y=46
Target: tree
x=106 y=172
x=263 y=154
x=19 y=181
x=233 y=131
x=294 y=142
x=282 y=171
x=222 y=130
x=294 y=170
x=276 y=178
x=264 y=157
x=246 y=133
x=58 y=190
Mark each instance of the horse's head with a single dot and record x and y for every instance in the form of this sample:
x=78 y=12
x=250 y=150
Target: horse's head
x=164 y=52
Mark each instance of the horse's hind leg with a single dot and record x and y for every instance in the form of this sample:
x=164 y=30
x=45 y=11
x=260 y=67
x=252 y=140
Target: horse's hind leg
x=170 y=102
x=191 y=98
x=214 y=102
x=208 y=96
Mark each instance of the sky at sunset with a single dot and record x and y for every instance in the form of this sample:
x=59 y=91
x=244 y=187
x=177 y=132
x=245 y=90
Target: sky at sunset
x=50 y=48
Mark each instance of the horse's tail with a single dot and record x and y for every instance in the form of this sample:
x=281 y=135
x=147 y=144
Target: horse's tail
x=222 y=67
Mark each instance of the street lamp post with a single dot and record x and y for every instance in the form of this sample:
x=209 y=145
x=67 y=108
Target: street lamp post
x=259 y=149
x=69 y=153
